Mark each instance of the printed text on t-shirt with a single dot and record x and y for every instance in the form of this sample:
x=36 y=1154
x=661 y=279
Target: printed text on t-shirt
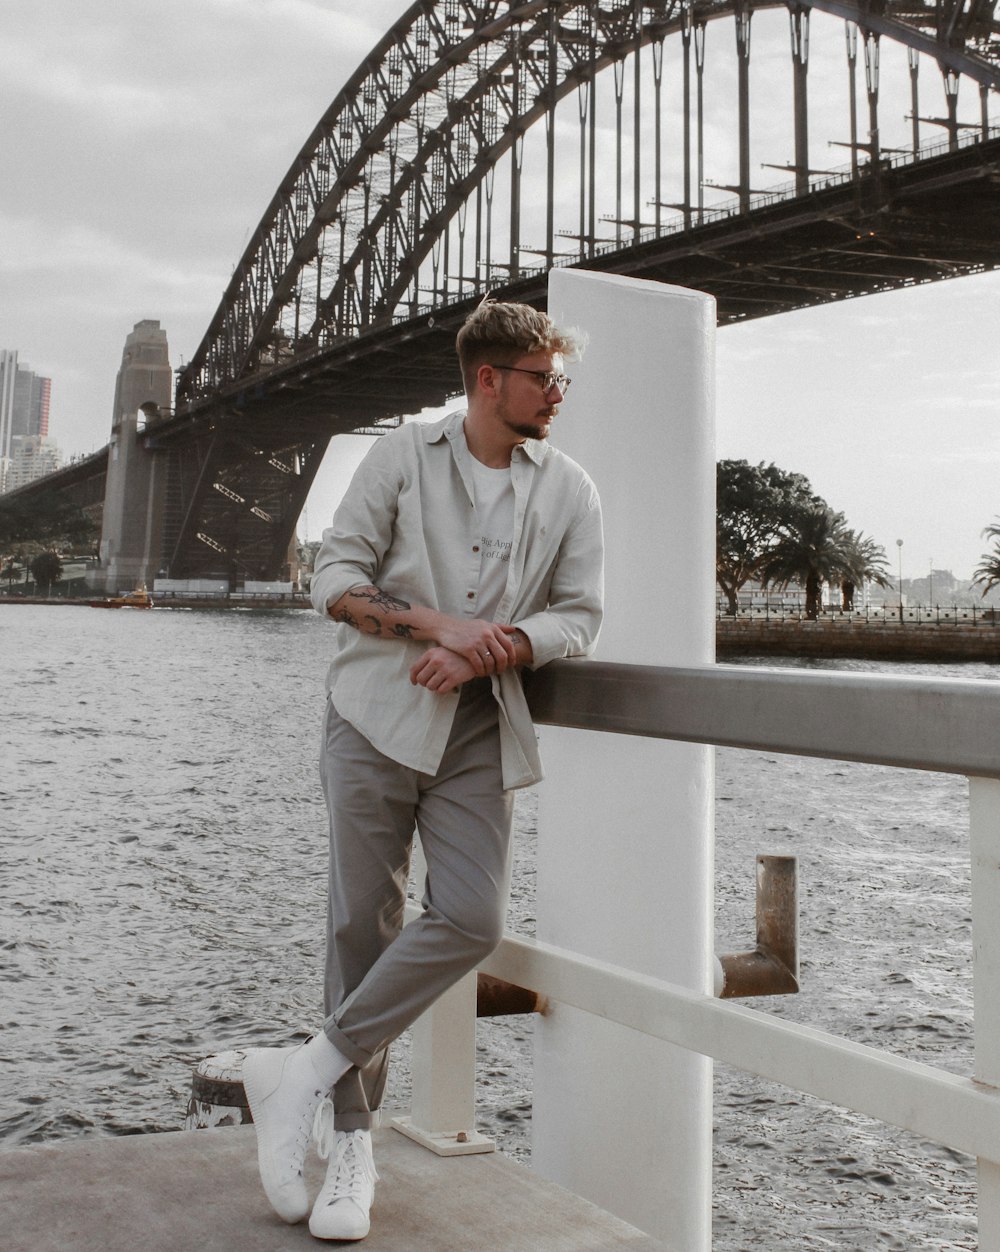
x=495 y=549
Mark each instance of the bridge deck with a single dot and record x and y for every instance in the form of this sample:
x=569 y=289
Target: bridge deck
x=199 y=1190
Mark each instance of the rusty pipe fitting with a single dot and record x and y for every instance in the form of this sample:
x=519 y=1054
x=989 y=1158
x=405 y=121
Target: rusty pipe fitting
x=496 y=998
x=772 y=968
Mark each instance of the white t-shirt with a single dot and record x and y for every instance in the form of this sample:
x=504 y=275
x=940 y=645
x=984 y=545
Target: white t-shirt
x=495 y=515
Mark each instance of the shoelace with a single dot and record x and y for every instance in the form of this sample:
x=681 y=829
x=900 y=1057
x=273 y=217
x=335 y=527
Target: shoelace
x=352 y=1170
x=304 y=1131
x=302 y=1137
x=324 y=1131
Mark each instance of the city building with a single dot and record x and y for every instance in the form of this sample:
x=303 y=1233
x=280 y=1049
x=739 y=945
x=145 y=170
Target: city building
x=24 y=411
x=31 y=457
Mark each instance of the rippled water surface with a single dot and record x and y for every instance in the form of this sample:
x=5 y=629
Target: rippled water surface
x=162 y=862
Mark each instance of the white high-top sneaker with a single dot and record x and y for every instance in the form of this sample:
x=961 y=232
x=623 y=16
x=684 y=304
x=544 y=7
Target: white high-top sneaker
x=283 y=1093
x=342 y=1206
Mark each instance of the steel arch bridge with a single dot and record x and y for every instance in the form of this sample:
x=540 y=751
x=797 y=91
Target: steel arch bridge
x=412 y=197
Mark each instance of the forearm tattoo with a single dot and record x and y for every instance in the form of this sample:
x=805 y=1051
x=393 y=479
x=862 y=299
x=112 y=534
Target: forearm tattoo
x=374 y=626
x=378 y=598
x=368 y=622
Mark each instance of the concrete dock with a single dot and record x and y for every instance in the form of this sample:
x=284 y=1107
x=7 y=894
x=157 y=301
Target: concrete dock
x=198 y=1191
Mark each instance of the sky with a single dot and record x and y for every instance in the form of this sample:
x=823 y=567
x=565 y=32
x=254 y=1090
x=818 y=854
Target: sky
x=145 y=140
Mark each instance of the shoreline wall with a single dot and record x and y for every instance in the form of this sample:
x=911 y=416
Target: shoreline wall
x=872 y=641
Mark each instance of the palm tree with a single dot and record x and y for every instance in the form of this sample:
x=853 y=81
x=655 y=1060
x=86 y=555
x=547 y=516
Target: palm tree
x=817 y=549
x=988 y=572
x=870 y=565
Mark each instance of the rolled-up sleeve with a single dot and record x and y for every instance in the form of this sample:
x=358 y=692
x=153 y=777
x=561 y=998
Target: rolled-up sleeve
x=353 y=546
x=570 y=624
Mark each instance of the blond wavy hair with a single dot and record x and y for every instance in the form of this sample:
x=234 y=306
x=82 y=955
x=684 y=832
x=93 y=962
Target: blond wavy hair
x=500 y=333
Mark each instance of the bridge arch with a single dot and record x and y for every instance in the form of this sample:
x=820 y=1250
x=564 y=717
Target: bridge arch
x=422 y=124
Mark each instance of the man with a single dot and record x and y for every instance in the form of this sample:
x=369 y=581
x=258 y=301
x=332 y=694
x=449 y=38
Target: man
x=463 y=551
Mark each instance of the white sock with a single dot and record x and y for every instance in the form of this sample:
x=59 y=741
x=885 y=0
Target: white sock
x=328 y=1062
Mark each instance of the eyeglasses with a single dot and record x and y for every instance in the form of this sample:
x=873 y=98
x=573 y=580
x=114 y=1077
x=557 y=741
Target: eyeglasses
x=547 y=379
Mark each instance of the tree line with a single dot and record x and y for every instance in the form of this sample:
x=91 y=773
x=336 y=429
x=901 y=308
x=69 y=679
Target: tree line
x=771 y=527
x=36 y=528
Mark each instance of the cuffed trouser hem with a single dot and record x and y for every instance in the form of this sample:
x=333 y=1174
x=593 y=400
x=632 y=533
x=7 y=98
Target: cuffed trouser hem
x=357 y=1056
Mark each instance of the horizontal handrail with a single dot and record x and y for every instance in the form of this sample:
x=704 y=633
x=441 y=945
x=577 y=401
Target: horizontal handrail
x=947 y=725
x=943 y=1107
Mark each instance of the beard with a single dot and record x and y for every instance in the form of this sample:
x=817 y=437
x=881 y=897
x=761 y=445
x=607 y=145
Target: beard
x=531 y=431
x=537 y=429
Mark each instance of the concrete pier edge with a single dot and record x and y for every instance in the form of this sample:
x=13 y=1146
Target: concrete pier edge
x=198 y=1191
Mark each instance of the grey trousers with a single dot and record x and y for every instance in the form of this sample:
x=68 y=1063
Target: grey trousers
x=379 y=976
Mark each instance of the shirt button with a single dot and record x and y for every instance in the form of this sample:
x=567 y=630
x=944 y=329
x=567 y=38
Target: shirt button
x=471 y=595
x=475 y=547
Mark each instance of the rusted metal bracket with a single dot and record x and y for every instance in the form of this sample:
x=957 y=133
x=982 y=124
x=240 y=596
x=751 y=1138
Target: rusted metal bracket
x=772 y=968
x=496 y=998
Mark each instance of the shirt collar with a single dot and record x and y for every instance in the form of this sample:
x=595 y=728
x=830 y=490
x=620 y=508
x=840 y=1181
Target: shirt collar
x=450 y=427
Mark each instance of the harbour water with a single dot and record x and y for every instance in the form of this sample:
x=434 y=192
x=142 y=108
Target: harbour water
x=162 y=863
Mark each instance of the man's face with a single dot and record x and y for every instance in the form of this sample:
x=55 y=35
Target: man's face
x=522 y=406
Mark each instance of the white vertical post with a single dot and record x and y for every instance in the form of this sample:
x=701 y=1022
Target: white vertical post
x=984 y=831
x=625 y=824
x=443 y=1066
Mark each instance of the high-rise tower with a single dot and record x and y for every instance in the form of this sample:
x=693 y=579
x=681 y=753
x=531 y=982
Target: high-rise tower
x=24 y=409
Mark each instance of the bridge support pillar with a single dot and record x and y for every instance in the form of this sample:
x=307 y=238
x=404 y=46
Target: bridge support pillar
x=625 y=824
x=131 y=530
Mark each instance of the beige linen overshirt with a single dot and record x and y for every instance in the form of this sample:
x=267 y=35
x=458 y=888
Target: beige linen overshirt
x=408 y=524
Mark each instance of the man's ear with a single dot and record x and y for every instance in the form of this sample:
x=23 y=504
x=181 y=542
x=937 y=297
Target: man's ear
x=487 y=379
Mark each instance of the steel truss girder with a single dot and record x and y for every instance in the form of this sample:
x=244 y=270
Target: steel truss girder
x=830 y=238
x=241 y=488
x=450 y=89
x=836 y=239
x=82 y=482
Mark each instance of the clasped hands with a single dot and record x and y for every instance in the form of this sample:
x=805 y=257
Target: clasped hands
x=464 y=650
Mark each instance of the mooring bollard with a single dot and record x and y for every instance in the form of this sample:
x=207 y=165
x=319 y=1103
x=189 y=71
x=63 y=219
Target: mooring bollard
x=217 y=1094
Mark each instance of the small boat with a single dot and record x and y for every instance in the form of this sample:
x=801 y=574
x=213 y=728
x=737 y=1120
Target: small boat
x=139 y=598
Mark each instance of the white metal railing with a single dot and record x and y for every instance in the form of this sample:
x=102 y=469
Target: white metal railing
x=948 y=726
